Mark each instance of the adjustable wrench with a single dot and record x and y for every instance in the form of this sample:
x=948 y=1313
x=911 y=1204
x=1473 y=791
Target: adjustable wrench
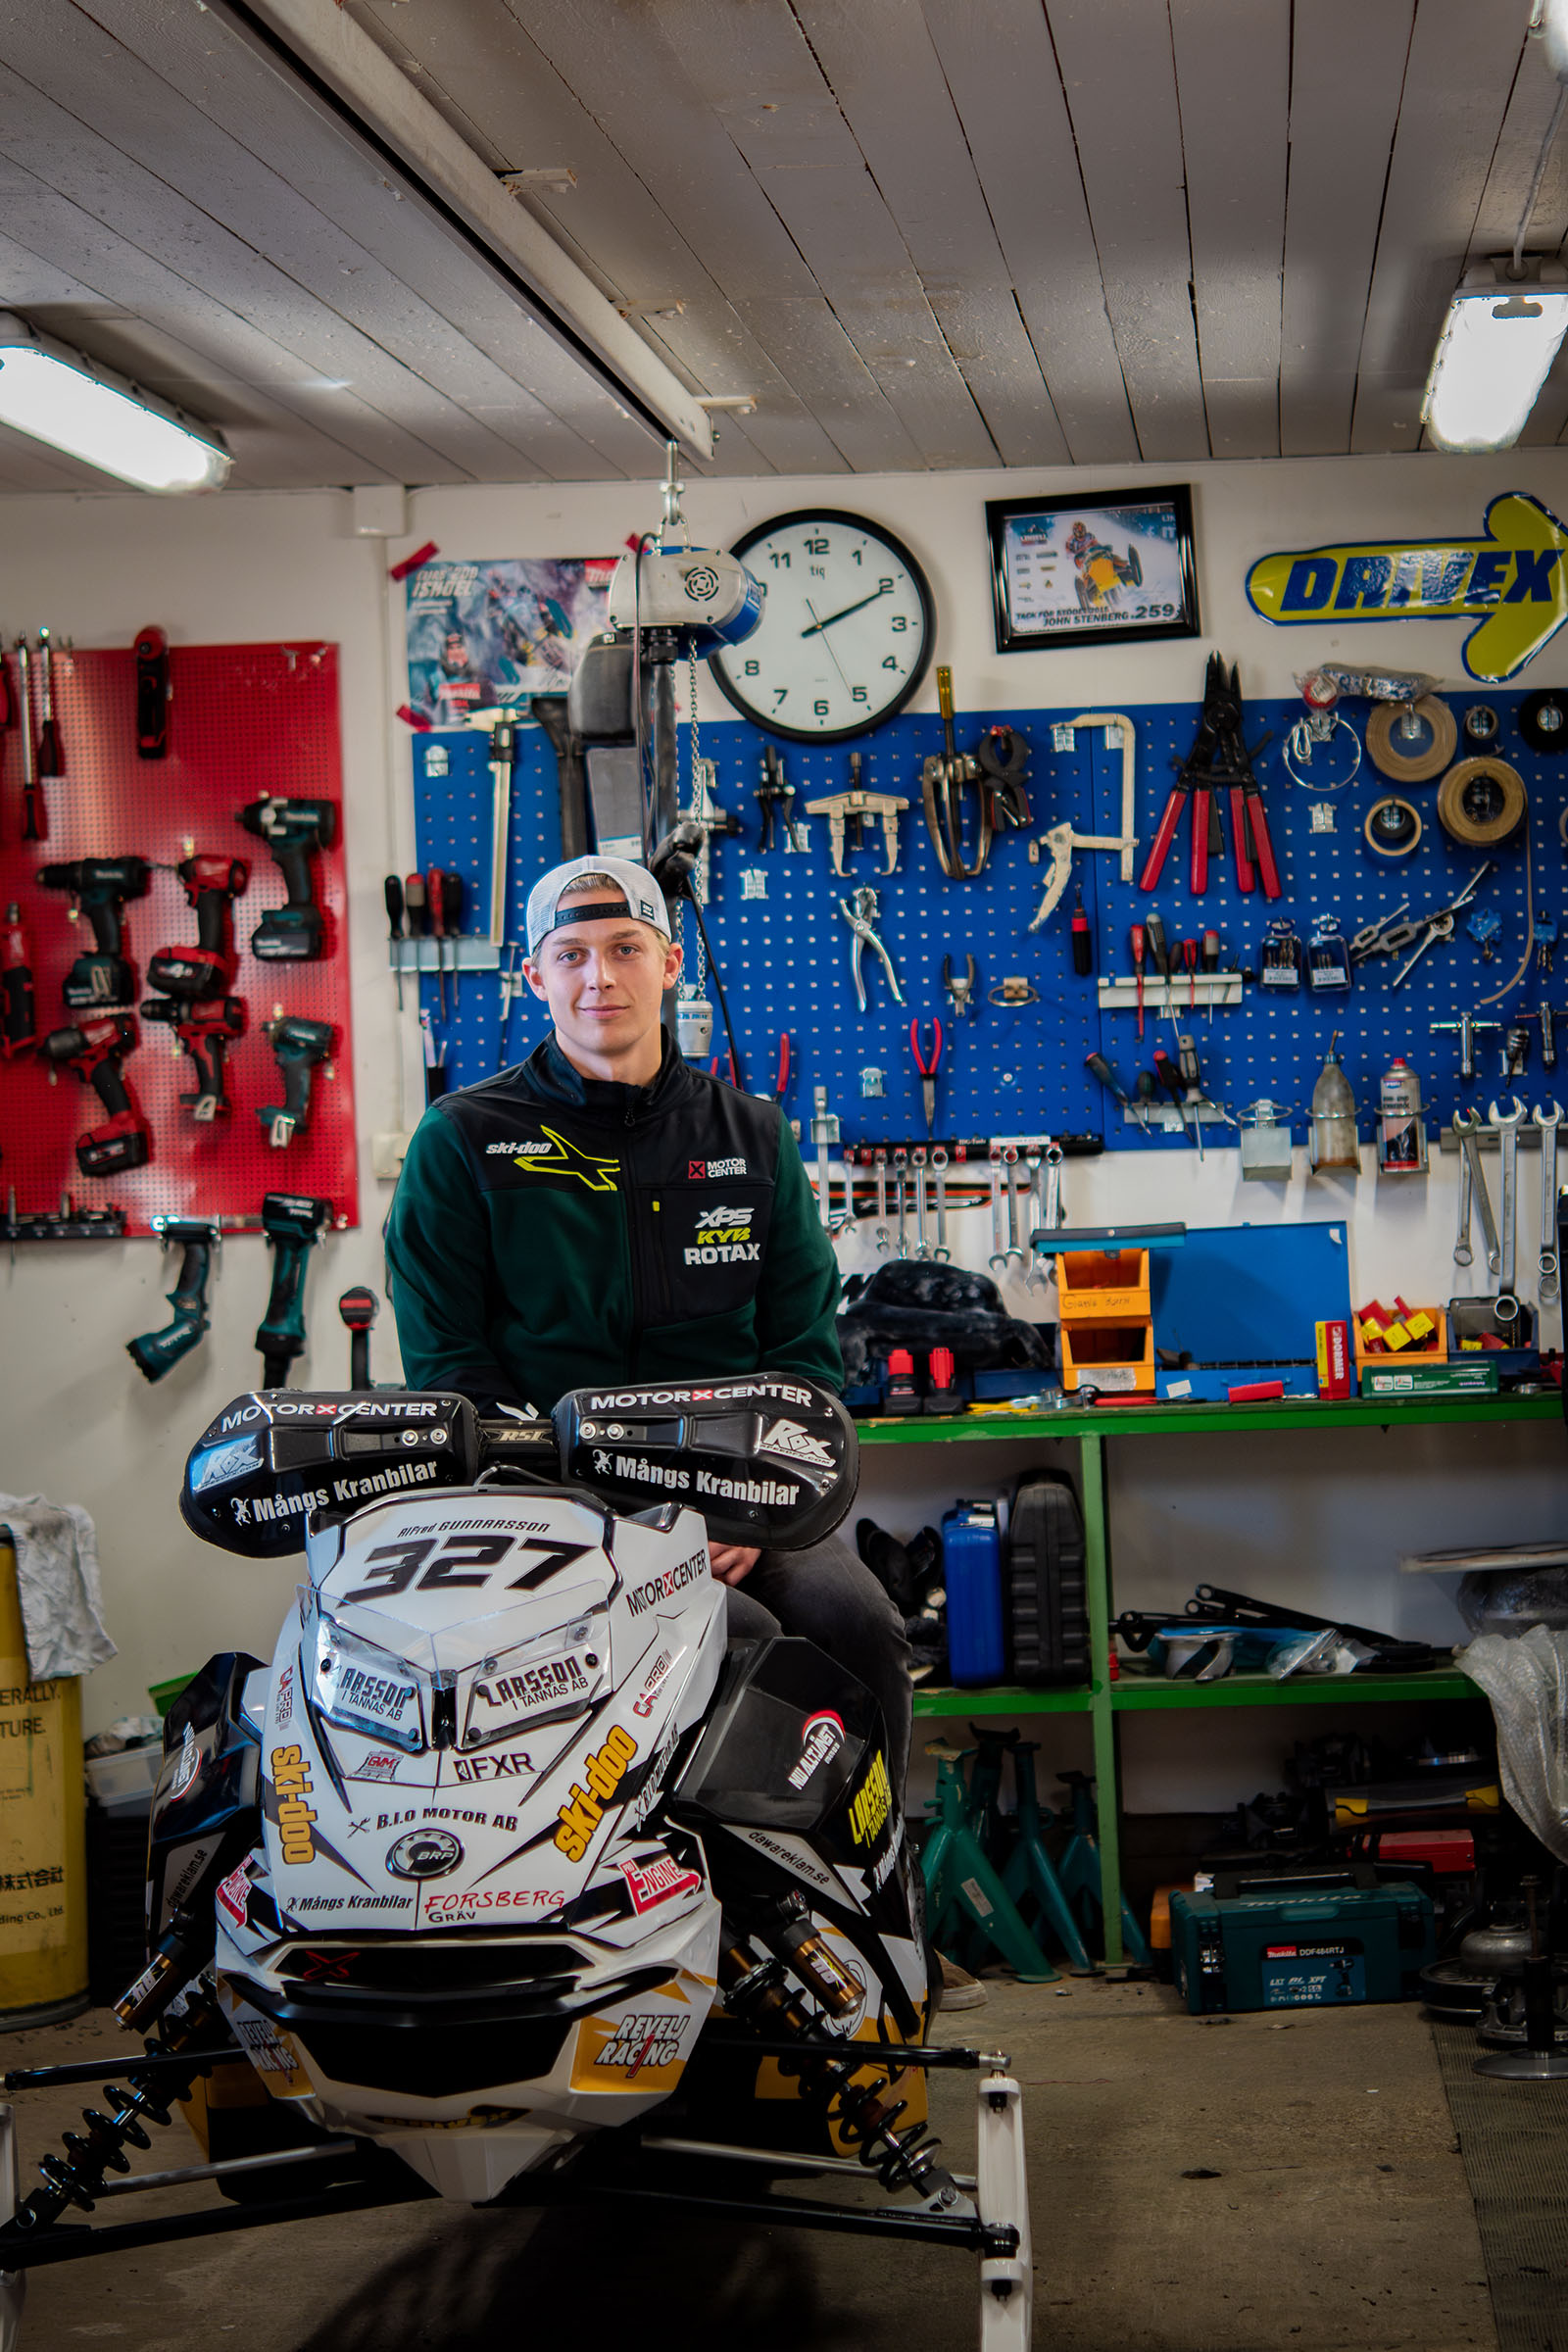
x=900 y=1160
x=1010 y=1161
x=1550 y=1283
x=1506 y=1310
x=884 y=1239
x=1465 y=1123
x=998 y=1256
x=939 y=1160
x=922 y=1248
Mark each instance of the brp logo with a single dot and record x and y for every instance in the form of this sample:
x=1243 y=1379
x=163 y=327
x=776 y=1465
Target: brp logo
x=702 y=582
x=424 y=1854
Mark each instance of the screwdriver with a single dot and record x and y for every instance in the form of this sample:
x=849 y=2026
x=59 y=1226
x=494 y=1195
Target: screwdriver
x=1170 y=1078
x=1083 y=939
x=1137 y=967
x=453 y=893
x=1158 y=952
x=1112 y=1085
x=435 y=904
x=392 y=892
x=419 y=919
x=1192 y=1079
x=1211 y=963
x=1147 y=1091
x=1190 y=959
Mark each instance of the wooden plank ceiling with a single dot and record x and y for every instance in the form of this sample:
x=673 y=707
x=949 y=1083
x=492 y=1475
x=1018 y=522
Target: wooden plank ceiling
x=923 y=233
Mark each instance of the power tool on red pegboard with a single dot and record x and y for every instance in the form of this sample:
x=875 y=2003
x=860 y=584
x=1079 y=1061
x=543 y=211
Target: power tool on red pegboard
x=206 y=1031
x=191 y=973
x=98 y=887
x=155 y=1352
x=95 y=1049
x=19 y=1022
x=359 y=1309
x=291 y=1223
x=153 y=691
x=298 y=1048
x=293 y=830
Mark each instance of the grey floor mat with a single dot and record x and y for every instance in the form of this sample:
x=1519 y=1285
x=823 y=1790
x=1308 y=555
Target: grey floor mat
x=1513 y=2138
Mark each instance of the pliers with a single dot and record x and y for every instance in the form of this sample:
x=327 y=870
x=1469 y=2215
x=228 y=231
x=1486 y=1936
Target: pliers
x=927 y=1069
x=859 y=912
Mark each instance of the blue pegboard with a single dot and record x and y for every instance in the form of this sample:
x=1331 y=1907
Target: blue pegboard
x=785 y=957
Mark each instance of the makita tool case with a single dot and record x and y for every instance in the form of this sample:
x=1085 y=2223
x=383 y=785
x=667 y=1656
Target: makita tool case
x=1313 y=1941
x=1047 y=1606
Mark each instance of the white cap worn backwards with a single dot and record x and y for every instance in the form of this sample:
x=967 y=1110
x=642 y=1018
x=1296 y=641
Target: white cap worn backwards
x=645 y=902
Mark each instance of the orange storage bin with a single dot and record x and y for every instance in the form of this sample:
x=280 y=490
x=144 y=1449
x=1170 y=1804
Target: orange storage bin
x=1115 y=1356
x=1104 y=1286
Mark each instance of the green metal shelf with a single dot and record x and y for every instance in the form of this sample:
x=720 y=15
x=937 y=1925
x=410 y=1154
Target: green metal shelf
x=1104 y=1702
x=1183 y=1420
x=1138 y=1691
x=933 y=1698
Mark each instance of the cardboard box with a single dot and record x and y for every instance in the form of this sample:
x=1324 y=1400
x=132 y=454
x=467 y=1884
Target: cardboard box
x=1335 y=1376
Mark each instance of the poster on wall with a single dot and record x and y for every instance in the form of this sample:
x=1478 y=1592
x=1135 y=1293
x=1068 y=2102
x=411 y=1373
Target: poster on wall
x=484 y=636
x=1510 y=576
x=1077 y=570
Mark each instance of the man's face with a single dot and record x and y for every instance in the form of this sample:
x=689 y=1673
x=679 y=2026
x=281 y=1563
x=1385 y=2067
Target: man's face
x=604 y=980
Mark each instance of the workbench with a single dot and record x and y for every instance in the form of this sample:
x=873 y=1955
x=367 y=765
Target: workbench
x=1138 y=1691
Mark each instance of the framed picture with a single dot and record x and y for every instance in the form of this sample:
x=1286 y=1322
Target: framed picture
x=1079 y=568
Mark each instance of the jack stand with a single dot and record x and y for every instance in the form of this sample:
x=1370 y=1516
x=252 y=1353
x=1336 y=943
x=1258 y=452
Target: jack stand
x=956 y=1873
x=1030 y=1874
x=1079 y=1870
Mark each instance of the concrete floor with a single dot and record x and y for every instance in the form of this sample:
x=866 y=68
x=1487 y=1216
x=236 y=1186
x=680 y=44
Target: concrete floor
x=1335 y=2216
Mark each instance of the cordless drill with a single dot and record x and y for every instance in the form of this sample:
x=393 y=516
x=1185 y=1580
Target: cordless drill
x=206 y=1030
x=292 y=831
x=95 y=1049
x=18 y=1021
x=99 y=888
x=191 y=973
x=291 y=1223
x=155 y=1352
x=298 y=1046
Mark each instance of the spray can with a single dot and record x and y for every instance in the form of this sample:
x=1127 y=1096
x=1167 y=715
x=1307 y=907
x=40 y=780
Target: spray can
x=1401 y=1129
x=1334 y=1139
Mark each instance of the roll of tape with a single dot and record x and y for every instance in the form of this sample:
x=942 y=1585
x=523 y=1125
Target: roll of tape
x=1393 y=828
x=1481 y=801
x=1382 y=741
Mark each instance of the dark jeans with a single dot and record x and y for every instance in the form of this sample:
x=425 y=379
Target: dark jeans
x=829 y=1595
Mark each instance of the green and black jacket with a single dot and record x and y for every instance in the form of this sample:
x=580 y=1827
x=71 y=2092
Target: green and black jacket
x=551 y=1231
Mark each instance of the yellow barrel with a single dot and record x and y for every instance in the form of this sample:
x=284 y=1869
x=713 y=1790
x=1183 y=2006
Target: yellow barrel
x=43 y=1830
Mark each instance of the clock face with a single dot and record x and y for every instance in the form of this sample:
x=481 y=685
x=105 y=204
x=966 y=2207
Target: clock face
x=847 y=631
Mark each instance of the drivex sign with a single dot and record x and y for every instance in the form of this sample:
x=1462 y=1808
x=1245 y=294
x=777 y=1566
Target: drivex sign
x=1512 y=578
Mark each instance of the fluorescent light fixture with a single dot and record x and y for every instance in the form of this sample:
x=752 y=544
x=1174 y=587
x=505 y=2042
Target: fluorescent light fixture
x=1495 y=352
x=63 y=398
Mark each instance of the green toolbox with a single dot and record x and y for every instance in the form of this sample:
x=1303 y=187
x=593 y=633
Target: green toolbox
x=1473 y=1377
x=1312 y=1941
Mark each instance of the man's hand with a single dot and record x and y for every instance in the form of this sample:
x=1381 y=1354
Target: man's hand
x=731 y=1561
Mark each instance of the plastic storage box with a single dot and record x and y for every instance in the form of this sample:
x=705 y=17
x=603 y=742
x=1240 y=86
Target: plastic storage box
x=1318 y=1941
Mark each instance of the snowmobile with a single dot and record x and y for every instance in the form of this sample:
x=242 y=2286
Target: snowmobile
x=510 y=1881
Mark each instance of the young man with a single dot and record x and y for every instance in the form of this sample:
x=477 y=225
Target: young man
x=603 y=1213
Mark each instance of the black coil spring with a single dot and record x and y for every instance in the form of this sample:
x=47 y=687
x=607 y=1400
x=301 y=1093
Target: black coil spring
x=77 y=2178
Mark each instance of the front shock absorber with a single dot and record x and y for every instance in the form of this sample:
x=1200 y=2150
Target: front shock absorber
x=760 y=1994
x=77 y=2178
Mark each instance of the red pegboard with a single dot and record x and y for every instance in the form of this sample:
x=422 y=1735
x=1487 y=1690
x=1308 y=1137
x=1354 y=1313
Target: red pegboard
x=245 y=720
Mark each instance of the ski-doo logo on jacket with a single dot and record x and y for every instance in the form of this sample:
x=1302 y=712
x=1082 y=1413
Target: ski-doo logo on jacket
x=560 y=1156
x=723 y=1237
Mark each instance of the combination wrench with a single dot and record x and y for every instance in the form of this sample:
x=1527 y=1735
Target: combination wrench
x=939 y=1161
x=1055 y=1212
x=1462 y=1251
x=998 y=1256
x=1550 y=1273
x=1036 y=1276
x=1506 y=1309
x=1010 y=1161
x=1465 y=1123
x=922 y=1248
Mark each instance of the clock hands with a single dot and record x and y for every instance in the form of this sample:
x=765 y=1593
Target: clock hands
x=818 y=626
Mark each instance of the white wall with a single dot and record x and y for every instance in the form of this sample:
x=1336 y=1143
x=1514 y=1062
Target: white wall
x=1301 y=1516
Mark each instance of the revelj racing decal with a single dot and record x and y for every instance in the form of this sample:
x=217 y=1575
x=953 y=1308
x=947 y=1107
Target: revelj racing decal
x=822 y=1736
x=643 y=2040
x=603 y=1771
x=291 y=1778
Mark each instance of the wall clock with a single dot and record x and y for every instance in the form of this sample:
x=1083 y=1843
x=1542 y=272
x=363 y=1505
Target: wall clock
x=847 y=627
